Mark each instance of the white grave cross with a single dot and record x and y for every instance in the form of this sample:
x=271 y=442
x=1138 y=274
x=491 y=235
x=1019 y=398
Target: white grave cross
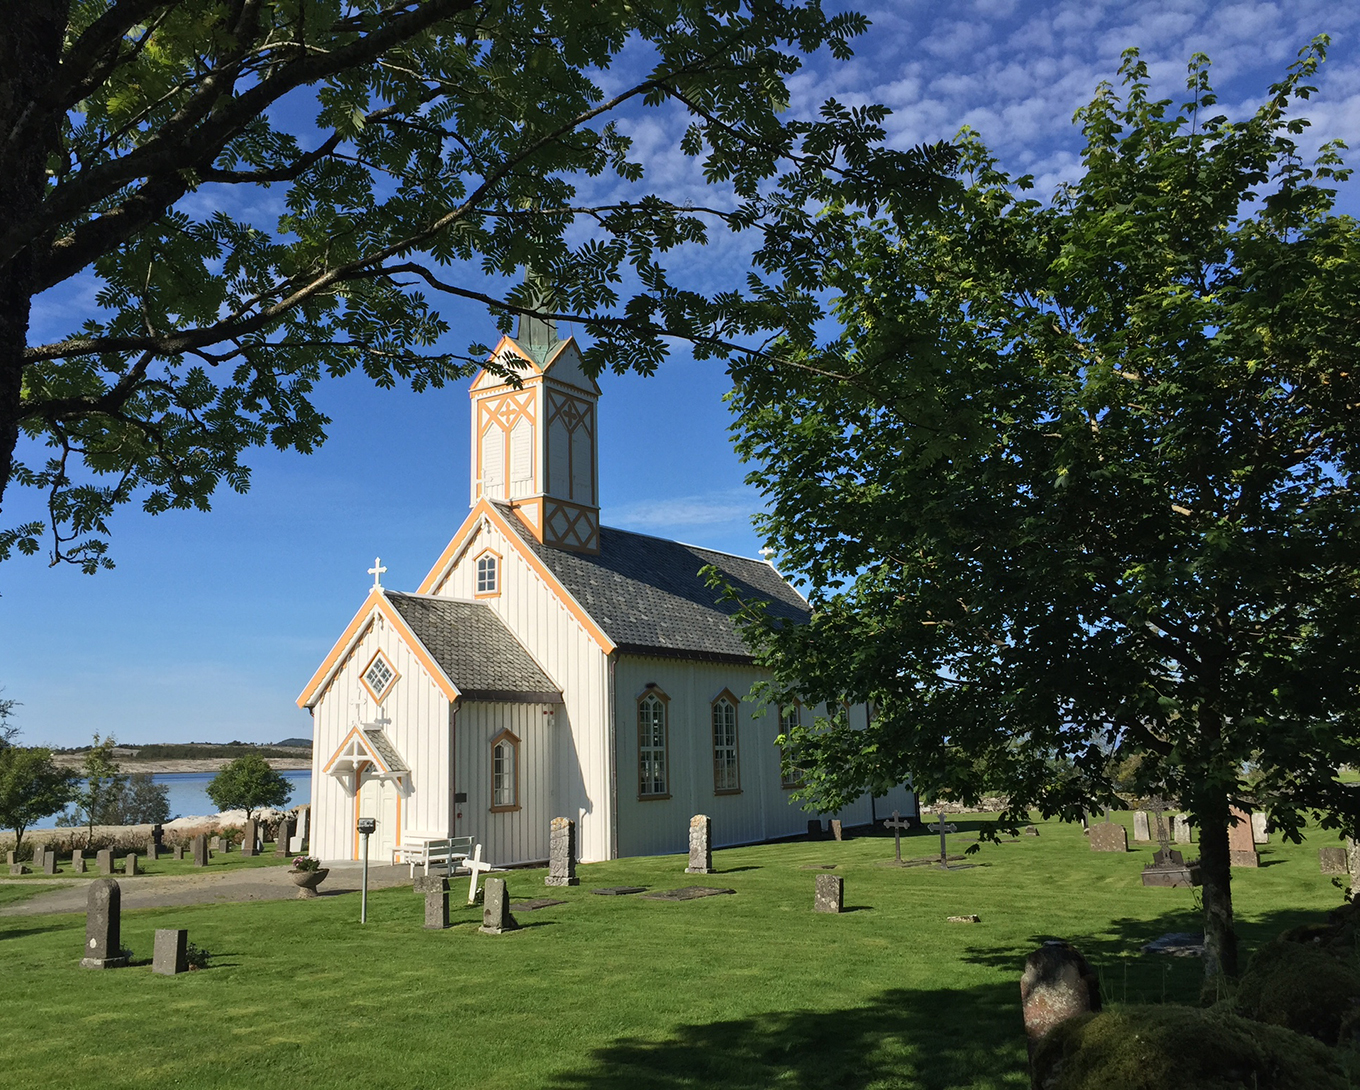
x=477 y=865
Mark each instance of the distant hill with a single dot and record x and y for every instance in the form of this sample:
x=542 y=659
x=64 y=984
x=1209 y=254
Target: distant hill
x=179 y=751
x=300 y=743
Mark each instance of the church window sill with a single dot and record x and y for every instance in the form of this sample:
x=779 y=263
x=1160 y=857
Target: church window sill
x=504 y=809
x=727 y=790
x=652 y=798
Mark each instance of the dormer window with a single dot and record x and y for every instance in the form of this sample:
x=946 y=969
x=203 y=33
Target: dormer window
x=488 y=574
x=379 y=676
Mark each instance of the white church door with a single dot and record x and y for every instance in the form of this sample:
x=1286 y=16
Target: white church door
x=380 y=799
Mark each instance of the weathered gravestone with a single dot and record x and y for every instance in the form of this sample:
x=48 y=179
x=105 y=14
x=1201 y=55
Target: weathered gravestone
x=1353 y=856
x=1333 y=860
x=200 y=850
x=214 y=843
x=830 y=893
x=11 y=857
x=496 y=918
x=49 y=862
x=562 y=852
x=1168 y=869
x=1241 y=843
x=700 y=845
x=77 y=861
x=103 y=920
x=152 y=850
x=283 y=836
x=1142 y=831
x=1057 y=985
x=1181 y=831
x=436 y=890
x=177 y=853
x=170 y=955
x=157 y=838
x=39 y=860
x=250 y=838
x=814 y=828
x=1259 y=831
x=1109 y=836
x=104 y=857
x=304 y=822
x=296 y=845
x=130 y=865
x=1031 y=830
x=16 y=869
x=837 y=832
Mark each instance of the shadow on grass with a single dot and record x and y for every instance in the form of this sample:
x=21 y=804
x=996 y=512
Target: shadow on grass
x=924 y=1039
x=23 y=932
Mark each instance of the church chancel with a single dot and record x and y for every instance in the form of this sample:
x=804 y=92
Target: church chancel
x=549 y=666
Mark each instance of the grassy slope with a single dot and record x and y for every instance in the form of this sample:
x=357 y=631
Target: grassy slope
x=741 y=992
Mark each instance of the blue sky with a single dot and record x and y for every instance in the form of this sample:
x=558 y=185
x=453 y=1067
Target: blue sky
x=211 y=623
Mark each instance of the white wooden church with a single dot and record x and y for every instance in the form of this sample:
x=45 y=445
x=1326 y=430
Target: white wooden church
x=548 y=665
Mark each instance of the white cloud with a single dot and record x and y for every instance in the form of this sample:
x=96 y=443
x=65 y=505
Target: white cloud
x=679 y=512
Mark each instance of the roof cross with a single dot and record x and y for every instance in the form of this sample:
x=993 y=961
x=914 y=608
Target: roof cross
x=376 y=571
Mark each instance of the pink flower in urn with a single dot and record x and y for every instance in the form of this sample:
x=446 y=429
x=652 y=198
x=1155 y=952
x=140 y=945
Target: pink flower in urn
x=306 y=863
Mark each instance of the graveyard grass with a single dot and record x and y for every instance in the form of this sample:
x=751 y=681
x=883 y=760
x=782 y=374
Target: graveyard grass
x=754 y=990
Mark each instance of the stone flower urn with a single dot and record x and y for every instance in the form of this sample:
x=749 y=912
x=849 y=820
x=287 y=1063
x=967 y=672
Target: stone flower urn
x=308 y=880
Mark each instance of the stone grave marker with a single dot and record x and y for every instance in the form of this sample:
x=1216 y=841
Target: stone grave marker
x=49 y=862
x=295 y=845
x=971 y=918
x=830 y=893
x=496 y=918
x=837 y=831
x=897 y=824
x=562 y=852
x=200 y=850
x=1031 y=830
x=700 y=845
x=16 y=869
x=1142 y=832
x=250 y=839
x=1109 y=836
x=103 y=922
x=943 y=827
x=1241 y=842
x=11 y=857
x=283 y=836
x=1168 y=869
x=1333 y=860
x=618 y=891
x=814 y=828
x=170 y=955
x=177 y=853
x=436 y=891
x=130 y=865
x=152 y=850
x=1259 y=824
x=77 y=861
x=304 y=822
x=215 y=843
x=1181 y=830
x=1057 y=985
x=104 y=857
x=39 y=859
x=686 y=893
x=157 y=837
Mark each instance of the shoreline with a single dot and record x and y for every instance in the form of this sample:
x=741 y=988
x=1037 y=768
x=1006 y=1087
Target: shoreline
x=129 y=765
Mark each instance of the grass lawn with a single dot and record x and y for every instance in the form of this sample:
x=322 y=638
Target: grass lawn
x=165 y=865
x=618 y=992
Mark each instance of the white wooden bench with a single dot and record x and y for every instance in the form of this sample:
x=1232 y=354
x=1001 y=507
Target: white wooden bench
x=422 y=851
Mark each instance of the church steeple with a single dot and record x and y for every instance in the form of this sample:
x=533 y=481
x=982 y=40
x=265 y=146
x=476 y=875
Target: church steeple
x=536 y=447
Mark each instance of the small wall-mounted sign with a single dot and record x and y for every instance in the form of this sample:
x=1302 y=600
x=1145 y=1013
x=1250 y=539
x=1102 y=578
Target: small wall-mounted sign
x=367 y=825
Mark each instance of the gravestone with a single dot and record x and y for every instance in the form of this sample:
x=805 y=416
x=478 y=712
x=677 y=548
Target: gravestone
x=49 y=862
x=897 y=824
x=1109 y=836
x=103 y=918
x=177 y=853
x=1168 y=869
x=1258 y=828
x=436 y=890
x=1181 y=832
x=130 y=865
x=496 y=918
x=39 y=859
x=16 y=869
x=1031 y=830
x=77 y=861
x=830 y=893
x=1353 y=856
x=1241 y=842
x=836 y=830
x=1057 y=985
x=618 y=891
x=200 y=850
x=157 y=838
x=250 y=838
x=11 y=857
x=104 y=857
x=700 y=845
x=1332 y=860
x=152 y=850
x=170 y=956
x=283 y=836
x=562 y=852
x=1142 y=832
x=215 y=843
x=814 y=828
x=686 y=893
x=304 y=823
x=295 y=845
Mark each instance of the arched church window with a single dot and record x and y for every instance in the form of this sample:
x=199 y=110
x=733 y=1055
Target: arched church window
x=653 y=774
x=726 y=775
x=488 y=574
x=504 y=772
x=790 y=775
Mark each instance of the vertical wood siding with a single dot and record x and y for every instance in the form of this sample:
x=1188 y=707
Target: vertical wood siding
x=519 y=836
x=414 y=716
x=556 y=639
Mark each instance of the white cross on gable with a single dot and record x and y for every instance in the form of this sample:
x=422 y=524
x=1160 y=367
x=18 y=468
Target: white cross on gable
x=476 y=865
x=377 y=571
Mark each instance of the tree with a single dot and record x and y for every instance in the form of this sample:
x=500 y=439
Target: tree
x=421 y=146
x=31 y=788
x=249 y=783
x=142 y=801
x=1077 y=481
x=8 y=729
x=102 y=784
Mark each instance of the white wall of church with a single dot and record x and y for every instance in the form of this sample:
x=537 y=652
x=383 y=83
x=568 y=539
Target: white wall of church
x=763 y=810
x=560 y=644
x=515 y=836
x=414 y=716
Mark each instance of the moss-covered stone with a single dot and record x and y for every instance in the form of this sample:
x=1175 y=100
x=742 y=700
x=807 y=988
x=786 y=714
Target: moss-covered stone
x=1308 y=986
x=1181 y=1048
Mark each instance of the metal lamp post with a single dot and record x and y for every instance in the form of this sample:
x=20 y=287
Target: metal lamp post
x=366 y=827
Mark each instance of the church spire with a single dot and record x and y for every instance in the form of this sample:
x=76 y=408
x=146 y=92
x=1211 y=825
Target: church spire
x=535 y=335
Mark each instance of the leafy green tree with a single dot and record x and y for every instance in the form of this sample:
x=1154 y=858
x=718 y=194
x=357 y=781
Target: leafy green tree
x=420 y=146
x=31 y=788
x=8 y=729
x=249 y=783
x=102 y=784
x=142 y=801
x=1077 y=481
